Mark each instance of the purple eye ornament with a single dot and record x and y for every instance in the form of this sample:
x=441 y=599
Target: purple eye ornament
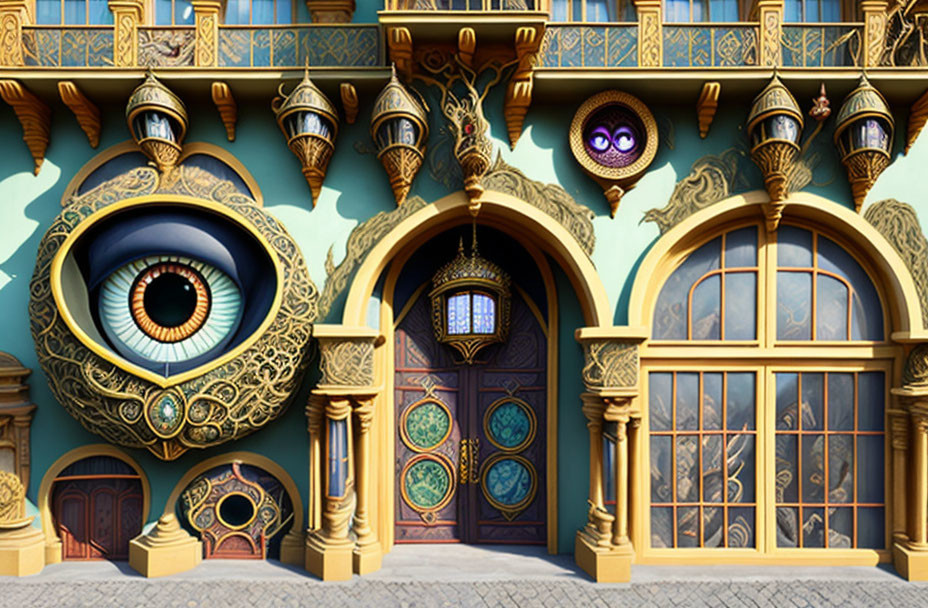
x=600 y=139
x=623 y=139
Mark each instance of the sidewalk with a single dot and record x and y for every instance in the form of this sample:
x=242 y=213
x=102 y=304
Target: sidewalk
x=428 y=576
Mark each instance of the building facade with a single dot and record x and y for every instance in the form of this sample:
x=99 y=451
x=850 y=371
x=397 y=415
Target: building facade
x=640 y=281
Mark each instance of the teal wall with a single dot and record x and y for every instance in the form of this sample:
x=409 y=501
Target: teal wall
x=355 y=189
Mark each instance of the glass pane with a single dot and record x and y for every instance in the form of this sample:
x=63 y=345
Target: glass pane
x=740 y=454
x=661 y=527
x=741 y=527
x=813 y=527
x=162 y=12
x=234 y=14
x=75 y=12
x=559 y=13
x=813 y=399
x=100 y=13
x=712 y=401
x=600 y=11
x=794 y=247
x=740 y=306
x=712 y=525
x=661 y=469
x=670 y=314
x=699 y=12
x=459 y=314
x=794 y=306
x=712 y=472
x=723 y=10
x=812 y=482
x=687 y=526
x=787 y=527
x=687 y=468
x=740 y=402
x=660 y=400
x=792 y=11
x=871 y=395
x=484 y=314
x=7 y=460
x=609 y=468
x=262 y=11
x=706 y=309
x=840 y=468
x=741 y=248
x=787 y=467
x=840 y=402
x=676 y=11
x=870 y=469
x=687 y=401
x=284 y=12
x=831 y=308
x=787 y=385
x=840 y=528
x=48 y=12
x=183 y=12
x=867 y=313
x=831 y=11
x=871 y=528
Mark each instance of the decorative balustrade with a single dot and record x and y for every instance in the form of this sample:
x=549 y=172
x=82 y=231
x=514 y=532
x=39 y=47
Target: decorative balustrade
x=167 y=46
x=287 y=46
x=822 y=45
x=578 y=46
x=68 y=46
x=465 y=5
x=710 y=45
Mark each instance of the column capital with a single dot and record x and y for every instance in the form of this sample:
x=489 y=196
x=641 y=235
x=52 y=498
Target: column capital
x=899 y=429
x=346 y=357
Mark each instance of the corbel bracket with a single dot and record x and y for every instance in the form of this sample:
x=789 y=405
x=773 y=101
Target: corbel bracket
x=33 y=115
x=918 y=116
x=519 y=92
x=350 y=103
x=86 y=113
x=706 y=106
x=228 y=110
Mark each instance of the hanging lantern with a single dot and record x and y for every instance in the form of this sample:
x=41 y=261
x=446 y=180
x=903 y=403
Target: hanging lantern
x=774 y=129
x=310 y=124
x=157 y=120
x=399 y=128
x=470 y=303
x=864 y=137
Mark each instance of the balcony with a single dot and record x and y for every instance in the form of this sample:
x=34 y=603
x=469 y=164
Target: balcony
x=68 y=47
x=440 y=20
x=590 y=46
x=709 y=45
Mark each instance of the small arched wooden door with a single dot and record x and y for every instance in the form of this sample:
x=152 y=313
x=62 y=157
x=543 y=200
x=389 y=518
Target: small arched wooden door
x=97 y=508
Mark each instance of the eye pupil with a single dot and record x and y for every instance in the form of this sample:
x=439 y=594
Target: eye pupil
x=170 y=300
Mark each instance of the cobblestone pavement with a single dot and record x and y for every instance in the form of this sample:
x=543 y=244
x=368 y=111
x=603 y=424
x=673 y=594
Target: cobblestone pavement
x=425 y=578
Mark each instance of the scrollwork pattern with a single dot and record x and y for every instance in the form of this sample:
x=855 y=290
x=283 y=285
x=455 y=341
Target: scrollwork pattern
x=347 y=362
x=610 y=364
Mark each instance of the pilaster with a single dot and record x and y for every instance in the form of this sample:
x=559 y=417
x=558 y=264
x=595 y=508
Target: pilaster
x=650 y=33
x=874 y=17
x=207 y=32
x=14 y=14
x=127 y=15
x=770 y=18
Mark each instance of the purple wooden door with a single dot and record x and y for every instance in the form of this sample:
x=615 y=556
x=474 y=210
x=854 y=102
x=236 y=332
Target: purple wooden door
x=470 y=444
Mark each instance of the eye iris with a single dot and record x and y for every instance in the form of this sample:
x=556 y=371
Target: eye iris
x=599 y=139
x=170 y=302
x=624 y=139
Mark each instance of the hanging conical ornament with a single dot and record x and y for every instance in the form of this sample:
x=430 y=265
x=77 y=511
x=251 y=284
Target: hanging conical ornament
x=399 y=128
x=157 y=120
x=310 y=123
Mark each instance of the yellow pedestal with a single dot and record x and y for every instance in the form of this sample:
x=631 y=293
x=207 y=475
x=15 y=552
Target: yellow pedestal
x=911 y=564
x=367 y=559
x=22 y=549
x=605 y=565
x=293 y=549
x=167 y=549
x=327 y=561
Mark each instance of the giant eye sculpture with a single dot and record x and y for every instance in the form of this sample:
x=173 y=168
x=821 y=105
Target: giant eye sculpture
x=614 y=138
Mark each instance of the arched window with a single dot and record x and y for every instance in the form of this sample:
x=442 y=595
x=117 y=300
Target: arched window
x=73 y=12
x=767 y=376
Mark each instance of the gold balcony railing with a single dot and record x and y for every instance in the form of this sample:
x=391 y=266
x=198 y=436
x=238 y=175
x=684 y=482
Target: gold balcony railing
x=808 y=45
x=167 y=46
x=68 y=46
x=710 y=45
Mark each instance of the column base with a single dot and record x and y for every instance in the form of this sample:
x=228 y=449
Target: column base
x=911 y=564
x=367 y=559
x=327 y=561
x=53 y=552
x=167 y=549
x=22 y=549
x=612 y=565
x=293 y=548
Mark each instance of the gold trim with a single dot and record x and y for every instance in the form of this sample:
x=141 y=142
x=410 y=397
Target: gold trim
x=52 y=542
x=510 y=512
x=404 y=435
x=86 y=113
x=533 y=424
x=165 y=200
x=225 y=103
x=34 y=116
x=452 y=485
x=218 y=508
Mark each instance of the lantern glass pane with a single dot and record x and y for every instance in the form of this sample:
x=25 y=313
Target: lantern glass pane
x=781 y=126
x=153 y=124
x=7 y=460
x=399 y=130
x=313 y=124
x=484 y=318
x=870 y=133
x=459 y=314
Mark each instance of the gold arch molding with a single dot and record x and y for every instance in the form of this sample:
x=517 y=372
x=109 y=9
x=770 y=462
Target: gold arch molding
x=52 y=542
x=502 y=211
x=887 y=268
x=190 y=149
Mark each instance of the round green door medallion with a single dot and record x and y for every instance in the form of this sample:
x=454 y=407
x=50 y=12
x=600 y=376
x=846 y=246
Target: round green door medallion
x=426 y=425
x=510 y=424
x=427 y=483
x=509 y=482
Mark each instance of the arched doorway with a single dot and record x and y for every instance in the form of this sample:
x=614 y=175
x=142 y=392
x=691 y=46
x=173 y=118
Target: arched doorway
x=471 y=452
x=97 y=505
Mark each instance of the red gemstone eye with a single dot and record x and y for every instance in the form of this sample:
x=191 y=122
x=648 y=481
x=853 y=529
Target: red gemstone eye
x=469 y=129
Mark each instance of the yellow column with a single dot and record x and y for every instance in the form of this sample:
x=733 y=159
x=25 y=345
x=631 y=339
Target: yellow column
x=13 y=16
x=329 y=549
x=910 y=556
x=367 y=555
x=770 y=13
x=650 y=33
x=919 y=527
x=874 y=12
x=899 y=437
x=127 y=14
x=207 y=31
x=618 y=412
x=599 y=521
x=315 y=414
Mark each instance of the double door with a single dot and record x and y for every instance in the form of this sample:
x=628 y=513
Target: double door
x=96 y=518
x=470 y=439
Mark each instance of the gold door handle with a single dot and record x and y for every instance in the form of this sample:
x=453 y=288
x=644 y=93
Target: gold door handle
x=474 y=458
x=464 y=465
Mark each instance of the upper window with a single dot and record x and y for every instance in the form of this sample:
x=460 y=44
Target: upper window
x=594 y=11
x=683 y=11
x=174 y=12
x=258 y=12
x=811 y=11
x=822 y=292
x=73 y=12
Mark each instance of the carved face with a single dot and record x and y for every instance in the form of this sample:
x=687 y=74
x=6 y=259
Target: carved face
x=167 y=321
x=613 y=136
